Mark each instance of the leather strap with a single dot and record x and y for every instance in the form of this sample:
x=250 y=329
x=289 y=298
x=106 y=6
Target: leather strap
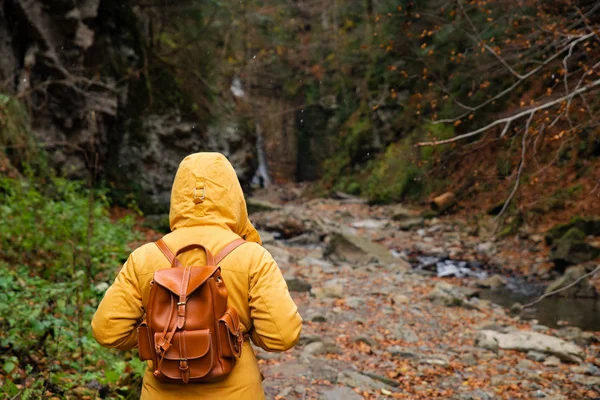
x=228 y=249
x=209 y=257
x=182 y=304
x=167 y=252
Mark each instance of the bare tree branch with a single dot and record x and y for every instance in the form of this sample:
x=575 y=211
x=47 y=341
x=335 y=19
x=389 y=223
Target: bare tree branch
x=507 y=120
x=518 y=82
x=561 y=289
x=519 y=173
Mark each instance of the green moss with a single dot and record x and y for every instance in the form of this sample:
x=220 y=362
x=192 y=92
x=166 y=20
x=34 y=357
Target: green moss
x=16 y=139
x=394 y=176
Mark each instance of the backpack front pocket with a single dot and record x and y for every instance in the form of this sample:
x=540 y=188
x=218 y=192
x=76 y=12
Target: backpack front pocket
x=189 y=357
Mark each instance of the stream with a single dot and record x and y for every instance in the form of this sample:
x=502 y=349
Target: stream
x=553 y=311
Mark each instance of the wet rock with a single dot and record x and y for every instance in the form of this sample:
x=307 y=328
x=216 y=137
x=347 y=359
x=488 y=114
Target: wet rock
x=357 y=380
x=402 y=332
x=256 y=205
x=370 y=224
x=305 y=239
x=354 y=302
x=314 y=348
x=493 y=282
x=581 y=289
x=400 y=213
x=401 y=352
x=438 y=360
x=526 y=364
x=280 y=255
x=307 y=339
x=487 y=249
x=586 y=380
x=356 y=250
x=468 y=359
x=576 y=335
x=478 y=394
x=527 y=341
x=298 y=285
x=318 y=348
x=382 y=378
x=316 y=317
x=340 y=393
x=332 y=289
x=451 y=296
x=366 y=340
x=536 y=356
x=409 y=223
x=266 y=237
x=552 y=361
x=571 y=248
x=400 y=299
x=586 y=369
x=308 y=261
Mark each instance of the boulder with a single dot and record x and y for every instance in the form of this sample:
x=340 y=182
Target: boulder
x=571 y=248
x=409 y=223
x=451 y=296
x=298 y=285
x=589 y=226
x=356 y=250
x=370 y=224
x=400 y=213
x=357 y=380
x=257 y=205
x=280 y=255
x=493 y=282
x=266 y=237
x=526 y=341
x=401 y=332
x=581 y=289
x=332 y=289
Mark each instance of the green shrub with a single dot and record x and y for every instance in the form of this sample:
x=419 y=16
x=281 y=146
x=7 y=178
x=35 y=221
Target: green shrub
x=47 y=295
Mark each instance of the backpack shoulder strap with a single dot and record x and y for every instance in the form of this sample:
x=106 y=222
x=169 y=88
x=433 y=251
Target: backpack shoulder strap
x=167 y=252
x=228 y=249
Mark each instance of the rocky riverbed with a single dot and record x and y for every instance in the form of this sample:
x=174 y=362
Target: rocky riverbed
x=379 y=323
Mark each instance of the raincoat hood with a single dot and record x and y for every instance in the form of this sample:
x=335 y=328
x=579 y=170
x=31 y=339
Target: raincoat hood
x=207 y=192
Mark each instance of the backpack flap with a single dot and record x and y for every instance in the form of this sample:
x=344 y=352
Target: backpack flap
x=172 y=278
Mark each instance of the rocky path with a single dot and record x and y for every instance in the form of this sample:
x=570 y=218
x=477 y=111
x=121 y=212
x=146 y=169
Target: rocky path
x=376 y=328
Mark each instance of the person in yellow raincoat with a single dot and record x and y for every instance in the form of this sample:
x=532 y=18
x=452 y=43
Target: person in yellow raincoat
x=207 y=207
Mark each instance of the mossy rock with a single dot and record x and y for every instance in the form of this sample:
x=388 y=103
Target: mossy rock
x=587 y=225
x=572 y=249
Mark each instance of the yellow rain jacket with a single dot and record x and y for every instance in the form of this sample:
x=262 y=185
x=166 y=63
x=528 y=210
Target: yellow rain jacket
x=207 y=207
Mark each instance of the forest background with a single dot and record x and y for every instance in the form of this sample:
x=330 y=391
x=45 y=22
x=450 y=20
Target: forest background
x=393 y=101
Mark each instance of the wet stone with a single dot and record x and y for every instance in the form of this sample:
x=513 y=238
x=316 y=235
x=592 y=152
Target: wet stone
x=536 y=356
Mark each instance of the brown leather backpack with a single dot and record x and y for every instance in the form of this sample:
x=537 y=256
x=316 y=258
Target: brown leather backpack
x=189 y=332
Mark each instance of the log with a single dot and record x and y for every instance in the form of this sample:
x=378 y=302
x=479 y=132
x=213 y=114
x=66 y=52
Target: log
x=443 y=202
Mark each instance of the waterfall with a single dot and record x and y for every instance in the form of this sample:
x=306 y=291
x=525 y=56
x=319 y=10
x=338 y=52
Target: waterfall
x=263 y=172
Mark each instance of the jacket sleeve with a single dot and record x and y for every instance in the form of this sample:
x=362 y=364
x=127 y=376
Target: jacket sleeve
x=114 y=323
x=274 y=314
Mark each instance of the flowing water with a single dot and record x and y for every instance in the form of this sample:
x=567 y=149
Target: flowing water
x=553 y=311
